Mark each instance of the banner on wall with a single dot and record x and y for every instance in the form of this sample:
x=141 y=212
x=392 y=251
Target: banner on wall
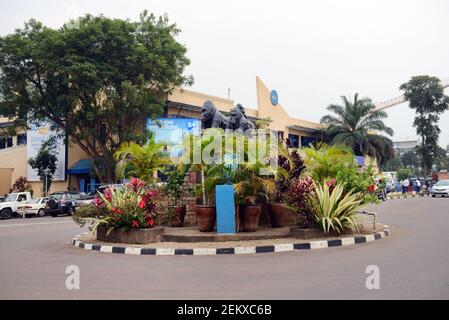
x=35 y=137
x=172 y=130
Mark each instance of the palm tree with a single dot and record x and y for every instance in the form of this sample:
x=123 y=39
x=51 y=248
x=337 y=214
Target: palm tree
x=134 y=160
x=357 y=124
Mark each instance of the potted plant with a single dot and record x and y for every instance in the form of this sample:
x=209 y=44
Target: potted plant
x=173 y=188
x=290 y=167
x=206 y=211
x=251 y=187
x=213 y=175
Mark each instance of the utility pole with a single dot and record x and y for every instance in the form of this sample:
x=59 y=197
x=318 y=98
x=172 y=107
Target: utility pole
x=229 y=93
x=46 y=173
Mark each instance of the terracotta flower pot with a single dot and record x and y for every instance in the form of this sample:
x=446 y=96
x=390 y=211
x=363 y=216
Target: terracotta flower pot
x=205 y=217
x=178 y=214
x=278 y=215
x=251 y=216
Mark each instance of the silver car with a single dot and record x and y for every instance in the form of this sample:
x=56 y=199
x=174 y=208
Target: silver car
x=441 y=188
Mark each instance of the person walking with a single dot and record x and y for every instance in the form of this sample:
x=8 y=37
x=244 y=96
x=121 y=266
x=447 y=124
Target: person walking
x=406 y=184
x=418 y=186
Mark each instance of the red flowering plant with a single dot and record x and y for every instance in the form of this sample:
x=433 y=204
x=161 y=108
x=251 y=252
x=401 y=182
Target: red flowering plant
x=131 y=207
x=297 y=197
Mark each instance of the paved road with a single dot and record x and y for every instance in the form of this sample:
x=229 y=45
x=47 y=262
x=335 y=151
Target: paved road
x=413 y=262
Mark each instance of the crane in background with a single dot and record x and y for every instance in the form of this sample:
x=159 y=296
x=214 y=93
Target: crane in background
x=401 y=99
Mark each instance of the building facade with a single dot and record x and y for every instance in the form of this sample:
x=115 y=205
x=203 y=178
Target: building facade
x=181 y=103
x=404 y=146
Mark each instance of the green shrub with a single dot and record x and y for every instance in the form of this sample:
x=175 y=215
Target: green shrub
x=324 y=162
x=338 y=162
x=332 y=210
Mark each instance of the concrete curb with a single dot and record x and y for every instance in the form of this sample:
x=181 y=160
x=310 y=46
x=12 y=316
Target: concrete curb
x=406 y=197
x=320 y=244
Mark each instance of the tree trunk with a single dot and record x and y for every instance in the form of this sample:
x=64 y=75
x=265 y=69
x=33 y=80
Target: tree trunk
x=424 y=157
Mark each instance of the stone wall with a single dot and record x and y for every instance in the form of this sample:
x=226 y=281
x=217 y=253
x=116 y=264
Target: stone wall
x=189 y=199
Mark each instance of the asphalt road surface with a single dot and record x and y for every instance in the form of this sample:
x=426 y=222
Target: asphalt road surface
x=413 y=264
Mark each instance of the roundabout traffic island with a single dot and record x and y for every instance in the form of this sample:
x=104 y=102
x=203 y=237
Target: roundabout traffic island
x=172 y=241
x=128 y=220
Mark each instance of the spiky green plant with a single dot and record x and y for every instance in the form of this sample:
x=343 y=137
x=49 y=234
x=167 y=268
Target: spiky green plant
x=134 y=160
x=333 y=210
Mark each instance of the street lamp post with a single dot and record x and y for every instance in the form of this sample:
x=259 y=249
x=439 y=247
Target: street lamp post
x=46 y=173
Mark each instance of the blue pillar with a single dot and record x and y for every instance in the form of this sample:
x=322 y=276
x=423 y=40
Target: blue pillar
x=224 y=195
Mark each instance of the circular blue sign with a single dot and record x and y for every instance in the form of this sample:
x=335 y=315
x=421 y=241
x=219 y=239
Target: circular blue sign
x=274 y=97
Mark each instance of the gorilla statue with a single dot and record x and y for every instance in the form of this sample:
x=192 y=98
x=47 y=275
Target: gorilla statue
x=238 y=119
x=211 y=117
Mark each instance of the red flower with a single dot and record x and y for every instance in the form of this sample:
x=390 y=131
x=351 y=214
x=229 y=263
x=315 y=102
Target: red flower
x=117 y=210
x=330 y=183
x=134 y=224
x=98 y=202
x=142 y=203
x=150 y=222
x=108 y=194
x=151 y=194
x=136 y=183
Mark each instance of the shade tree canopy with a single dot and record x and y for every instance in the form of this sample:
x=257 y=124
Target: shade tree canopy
x=97 y=79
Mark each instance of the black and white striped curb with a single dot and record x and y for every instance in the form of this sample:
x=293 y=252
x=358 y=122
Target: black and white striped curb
x=234 y=250
x=405 y=197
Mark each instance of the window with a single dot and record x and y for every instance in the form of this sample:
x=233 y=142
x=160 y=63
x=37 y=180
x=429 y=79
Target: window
x=281 y=135
x=21 y=139
x=306 y=141
x=5 y=142
x=294 y=140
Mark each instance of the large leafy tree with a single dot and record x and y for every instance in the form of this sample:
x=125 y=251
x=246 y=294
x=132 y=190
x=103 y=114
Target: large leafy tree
x=97 y=80
x=411 y=160
x=358 y=125
x=441 y=159
x=426 y=96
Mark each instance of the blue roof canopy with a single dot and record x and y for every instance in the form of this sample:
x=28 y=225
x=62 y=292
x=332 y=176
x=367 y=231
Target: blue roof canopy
x=83 y=166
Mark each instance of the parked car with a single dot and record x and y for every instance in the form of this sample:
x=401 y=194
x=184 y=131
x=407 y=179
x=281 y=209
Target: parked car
x=35 y=207
x=441 y=188
x=8 y=208
x=89 y=199
x=62 y=203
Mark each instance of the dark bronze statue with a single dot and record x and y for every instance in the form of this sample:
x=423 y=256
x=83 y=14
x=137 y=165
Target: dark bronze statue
x=238 y=119
x=211 y=117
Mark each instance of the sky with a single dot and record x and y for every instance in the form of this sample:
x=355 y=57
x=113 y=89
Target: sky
x=311 y=52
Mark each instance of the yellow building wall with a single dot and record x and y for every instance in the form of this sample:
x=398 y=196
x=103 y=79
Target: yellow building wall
x=197 y=99
x=14 y=161
x=279 y=117
x=5 y=180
